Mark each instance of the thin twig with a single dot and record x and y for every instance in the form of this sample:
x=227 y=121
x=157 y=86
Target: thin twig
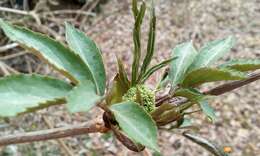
x=60 y=141
x=83 y=8
x=55 y=133
x=21 y=12
x=4 y=69
x=25 y=5
x=233 y=85
x=50 y=31
x=222 y=89
x=11 y=69
x=69 y=12
x=13 y=55
x=92 y=6
x=8 y=46
x=7 y=69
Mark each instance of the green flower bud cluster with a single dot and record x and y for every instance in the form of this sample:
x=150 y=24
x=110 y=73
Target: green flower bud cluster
x=146 y=97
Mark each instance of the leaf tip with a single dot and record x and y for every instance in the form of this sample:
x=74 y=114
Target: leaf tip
x=232 y=40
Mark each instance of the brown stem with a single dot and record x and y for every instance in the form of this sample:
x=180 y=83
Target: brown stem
x=65 y=148
x=227 y=87
x=55 y=133
x=161 y=100
x=232 y=85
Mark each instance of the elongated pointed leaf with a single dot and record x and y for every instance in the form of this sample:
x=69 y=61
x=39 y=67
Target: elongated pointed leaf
x=207 y=110
x=151 y=40
x=155 y=68
x=185 y=54
x=135 y=8
x=82 y=98
x=116 y=92
x=90 y=54
x=53 y=52
x=22 y=93
x=208 y=145
x=122 y=75
x=137 y=43
x=136 y=123
x=211 y=52
x=204 y=75
x=242 y=64
x=189 y=93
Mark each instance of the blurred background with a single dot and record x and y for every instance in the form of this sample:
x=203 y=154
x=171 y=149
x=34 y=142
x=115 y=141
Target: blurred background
x=110 y=24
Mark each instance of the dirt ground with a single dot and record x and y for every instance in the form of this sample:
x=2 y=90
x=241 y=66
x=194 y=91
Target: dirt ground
x=238 y=122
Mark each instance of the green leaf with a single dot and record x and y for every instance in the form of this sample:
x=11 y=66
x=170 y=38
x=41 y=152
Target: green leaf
x=186 y=53
x=90 y=54
x=204 y=75
x=116 y=92
x=82 y=98
x=25 y=93
x=211 y=52
x=207 y=110
x=137 y=43
x=53 y=52
x=242 y=64
x=122 y=74
x=136 y=123
x=155 y=68
x=208 y=145
x=189 y=93
x=151 y=40
x=135 y=8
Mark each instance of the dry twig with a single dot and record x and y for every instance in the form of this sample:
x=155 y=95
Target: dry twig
x=8 y=46
x=55 y=133
x=233 y=85
x=60 y=141
x=21 y=12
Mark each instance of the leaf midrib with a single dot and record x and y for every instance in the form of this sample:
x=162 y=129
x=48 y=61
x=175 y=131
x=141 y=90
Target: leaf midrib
x=181 y=64
x=85 y=61
x=136 y=130
x=216 y=53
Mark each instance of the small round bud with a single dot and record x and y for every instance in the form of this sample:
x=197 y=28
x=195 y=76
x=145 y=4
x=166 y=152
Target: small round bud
x=146 y=97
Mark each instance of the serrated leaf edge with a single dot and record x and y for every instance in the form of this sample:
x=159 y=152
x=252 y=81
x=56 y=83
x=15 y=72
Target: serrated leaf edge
x=41 y=105
x=86 y=63
x=38 y=54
